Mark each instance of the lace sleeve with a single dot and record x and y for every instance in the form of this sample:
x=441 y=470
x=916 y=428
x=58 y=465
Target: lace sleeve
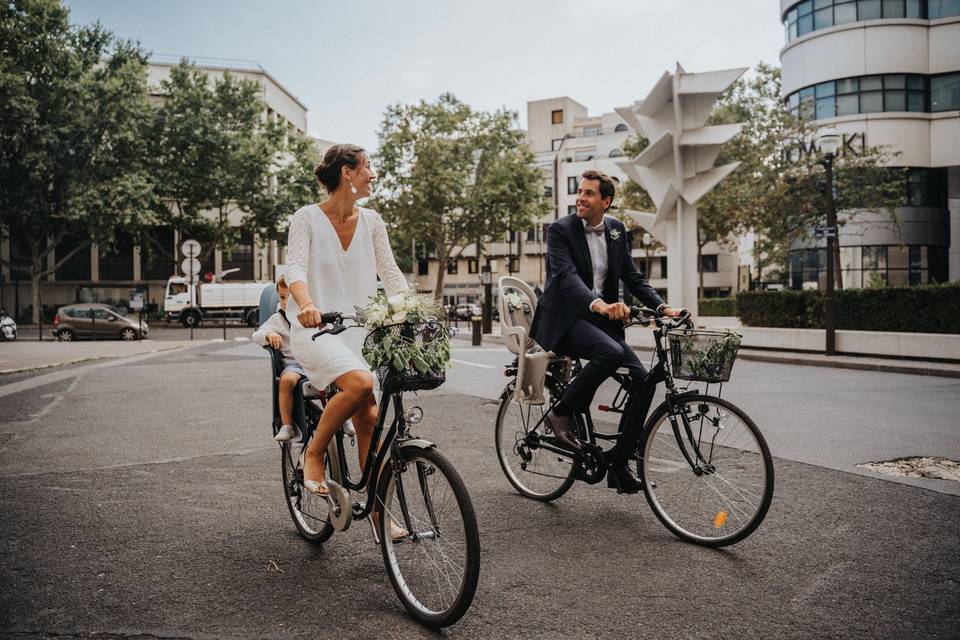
x=387 y=269
x=298 y=247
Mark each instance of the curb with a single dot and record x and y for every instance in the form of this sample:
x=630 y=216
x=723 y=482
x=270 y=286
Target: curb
x=920 y=369
x=51 y=365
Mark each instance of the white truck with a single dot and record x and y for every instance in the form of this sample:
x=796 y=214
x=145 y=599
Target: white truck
x=191 y=303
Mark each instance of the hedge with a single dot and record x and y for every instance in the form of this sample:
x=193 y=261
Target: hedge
x=921 y=309
x=718 y=306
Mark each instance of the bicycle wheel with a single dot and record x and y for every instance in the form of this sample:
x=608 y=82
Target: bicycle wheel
x=718 y=497
x=534 y=472
x=309 y=511
x=434 y=568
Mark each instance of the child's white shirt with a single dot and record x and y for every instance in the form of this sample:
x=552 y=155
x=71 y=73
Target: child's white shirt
x=275 y=324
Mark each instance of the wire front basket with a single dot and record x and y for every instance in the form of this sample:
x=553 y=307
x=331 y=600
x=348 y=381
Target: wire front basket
x=702 y=355
x=408 y=356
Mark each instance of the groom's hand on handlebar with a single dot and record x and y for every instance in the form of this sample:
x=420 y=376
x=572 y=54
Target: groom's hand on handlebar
x=310 y=316
x=614 y=311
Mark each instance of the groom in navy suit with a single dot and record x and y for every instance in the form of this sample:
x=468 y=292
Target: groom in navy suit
x=580 y=314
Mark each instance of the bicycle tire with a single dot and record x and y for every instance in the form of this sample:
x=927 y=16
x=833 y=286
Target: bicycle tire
x=509 y=453
x=305 y=508
x=415 y=562
x=693 y=507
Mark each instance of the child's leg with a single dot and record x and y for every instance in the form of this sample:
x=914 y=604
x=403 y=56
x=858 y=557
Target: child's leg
x=288 y=382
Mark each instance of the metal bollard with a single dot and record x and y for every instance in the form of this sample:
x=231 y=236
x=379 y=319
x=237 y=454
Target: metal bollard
x=477 y=331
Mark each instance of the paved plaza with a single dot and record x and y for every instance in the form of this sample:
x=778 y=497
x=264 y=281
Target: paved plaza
x=141 y=497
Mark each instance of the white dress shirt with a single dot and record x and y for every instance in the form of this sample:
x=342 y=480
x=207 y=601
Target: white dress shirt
x=597 y=245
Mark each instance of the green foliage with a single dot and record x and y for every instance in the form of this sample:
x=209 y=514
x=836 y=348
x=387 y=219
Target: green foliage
x=718 y=306
x=923 y=309
x=72 y=102
x=406 y=334
x=212 y=156
x=450 y=176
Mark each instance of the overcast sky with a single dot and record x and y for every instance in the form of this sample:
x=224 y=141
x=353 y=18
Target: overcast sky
x=347 y=60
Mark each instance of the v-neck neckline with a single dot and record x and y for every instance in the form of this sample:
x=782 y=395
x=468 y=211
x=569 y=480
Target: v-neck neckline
x=337 y=235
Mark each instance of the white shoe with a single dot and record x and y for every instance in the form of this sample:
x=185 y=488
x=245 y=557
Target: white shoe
x=286 y=433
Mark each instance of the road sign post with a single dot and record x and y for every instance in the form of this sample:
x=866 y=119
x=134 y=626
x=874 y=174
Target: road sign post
x=191 y=268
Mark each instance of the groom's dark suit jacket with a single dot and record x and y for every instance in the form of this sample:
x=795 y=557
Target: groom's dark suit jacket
x=568 y=292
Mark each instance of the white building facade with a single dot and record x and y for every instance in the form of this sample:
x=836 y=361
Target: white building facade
x=883 y=73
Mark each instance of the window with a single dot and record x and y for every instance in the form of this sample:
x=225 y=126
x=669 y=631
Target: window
x=708 y=263
x=78 y=266
x=663 y=267
x=452 y=267
x=156 y=255
x=548 y=192
x=513 y=264
x=592 y=131
x=926 y=187
x=869 y=94
x=117 y=264
x=531 y=235
x=582 y=156
x=81 y=312
x=572 y=210
x=511 y=236
x=620 y=128
x=473 y=265
x=572 y=184
x=556 y=117
x=423 y=267
x=240 y=257
x=812 y=15
x=616 y=153
x=945 y=92
x=176 y=288
x=102 y=314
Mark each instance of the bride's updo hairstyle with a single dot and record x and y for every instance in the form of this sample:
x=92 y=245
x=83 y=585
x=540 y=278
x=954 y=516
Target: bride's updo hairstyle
x=338 y=156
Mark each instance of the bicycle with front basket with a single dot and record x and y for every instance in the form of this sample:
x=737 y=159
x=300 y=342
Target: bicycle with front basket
x=705 y=468
x=434 y=565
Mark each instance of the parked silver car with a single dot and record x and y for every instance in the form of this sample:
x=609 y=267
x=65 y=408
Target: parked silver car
x=93 y=320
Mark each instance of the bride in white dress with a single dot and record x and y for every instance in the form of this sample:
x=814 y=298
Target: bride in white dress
x=334 y=253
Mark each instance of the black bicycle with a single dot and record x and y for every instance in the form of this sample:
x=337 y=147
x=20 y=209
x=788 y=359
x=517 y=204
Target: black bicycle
x=409 y=486
x=705 y=467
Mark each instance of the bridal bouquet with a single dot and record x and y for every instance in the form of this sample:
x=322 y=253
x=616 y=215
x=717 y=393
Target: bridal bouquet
x=406 y=334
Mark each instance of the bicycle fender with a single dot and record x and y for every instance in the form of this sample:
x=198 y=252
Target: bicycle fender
x=417 y=443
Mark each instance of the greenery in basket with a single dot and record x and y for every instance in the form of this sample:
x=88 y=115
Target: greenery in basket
x=400 y=349
x=707 y=361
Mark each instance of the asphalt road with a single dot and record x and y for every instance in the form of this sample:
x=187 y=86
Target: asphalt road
x=142 y=498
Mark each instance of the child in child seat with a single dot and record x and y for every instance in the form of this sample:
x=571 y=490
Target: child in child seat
x=276 y=333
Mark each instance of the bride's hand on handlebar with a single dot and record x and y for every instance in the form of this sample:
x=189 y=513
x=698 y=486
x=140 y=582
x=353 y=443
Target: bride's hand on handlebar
x=310 y=316
x=614 y=311
x=670 y=312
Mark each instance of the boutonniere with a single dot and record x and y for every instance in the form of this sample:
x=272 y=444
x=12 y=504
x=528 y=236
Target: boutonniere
x=614 y=234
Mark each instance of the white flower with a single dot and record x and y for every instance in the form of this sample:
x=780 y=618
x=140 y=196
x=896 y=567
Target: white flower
x=397 y=300
x=514 y=300
x=398 y=317
x=614 y=234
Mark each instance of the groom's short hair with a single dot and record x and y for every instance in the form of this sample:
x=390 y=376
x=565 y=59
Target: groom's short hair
x=607 y=187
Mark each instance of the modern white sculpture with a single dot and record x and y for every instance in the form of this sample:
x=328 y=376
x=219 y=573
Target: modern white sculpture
x=677 y=168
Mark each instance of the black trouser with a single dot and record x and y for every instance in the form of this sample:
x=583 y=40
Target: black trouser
x=606 y=354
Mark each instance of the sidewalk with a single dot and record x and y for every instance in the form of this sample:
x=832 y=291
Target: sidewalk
x=641 y=339
x=27 y=355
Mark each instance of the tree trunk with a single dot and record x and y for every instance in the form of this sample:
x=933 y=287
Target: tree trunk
x=837 y=272
x=35 y=294
x=700 y=269
x=441 y=272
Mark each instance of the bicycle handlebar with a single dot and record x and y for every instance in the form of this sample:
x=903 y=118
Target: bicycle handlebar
x=670 y=322
x=334 y=318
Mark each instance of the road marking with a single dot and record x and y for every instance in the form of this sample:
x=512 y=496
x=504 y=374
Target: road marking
x=472 y=364
x=57 y=376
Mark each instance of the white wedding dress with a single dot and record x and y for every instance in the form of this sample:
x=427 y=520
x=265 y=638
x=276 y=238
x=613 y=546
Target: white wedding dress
x=339 y=280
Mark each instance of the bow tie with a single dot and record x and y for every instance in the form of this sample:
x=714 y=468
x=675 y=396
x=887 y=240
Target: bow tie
x=597 y=229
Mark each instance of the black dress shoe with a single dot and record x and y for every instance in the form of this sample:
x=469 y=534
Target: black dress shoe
x=562 y=427
x=622 y=479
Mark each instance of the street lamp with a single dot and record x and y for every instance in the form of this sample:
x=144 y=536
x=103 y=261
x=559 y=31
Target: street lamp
x=646 y=239
x=829 y=141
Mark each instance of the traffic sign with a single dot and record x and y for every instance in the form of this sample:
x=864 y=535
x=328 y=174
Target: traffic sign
x=826 y=232
x=191 y=249
x=190 y=267
x=136 y=300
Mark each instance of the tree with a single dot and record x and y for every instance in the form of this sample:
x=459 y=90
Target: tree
x=72 y=101
x=449 y=175
x=778 y=192
x=212 y=158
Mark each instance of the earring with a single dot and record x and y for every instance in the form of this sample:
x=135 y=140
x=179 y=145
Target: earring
x=353 y=189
